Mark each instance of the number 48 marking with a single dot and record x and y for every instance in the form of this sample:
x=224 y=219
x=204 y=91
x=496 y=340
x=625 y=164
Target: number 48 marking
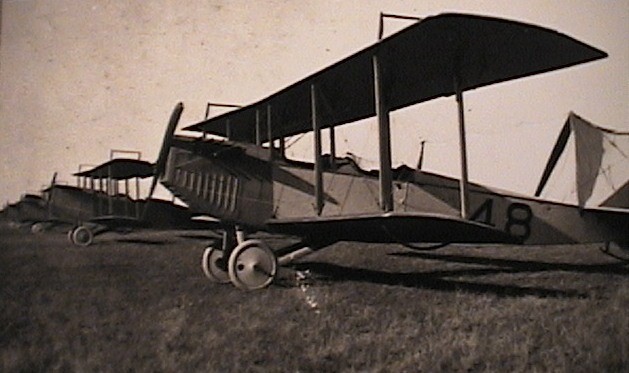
x=484 y=212
x=519 y=217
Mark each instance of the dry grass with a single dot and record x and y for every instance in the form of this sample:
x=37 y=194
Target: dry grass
x=140 y=303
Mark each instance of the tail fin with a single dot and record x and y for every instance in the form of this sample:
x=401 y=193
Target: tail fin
x=601 y=162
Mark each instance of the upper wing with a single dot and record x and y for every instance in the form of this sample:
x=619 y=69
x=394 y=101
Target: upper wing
x=120 y=169
x=391 y=228
x=419 y=63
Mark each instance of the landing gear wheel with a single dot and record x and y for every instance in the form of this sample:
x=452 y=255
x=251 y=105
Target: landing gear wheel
x=252 y=265
x=212 y=266
x=70 y=233
x=38 y=228
x=82 y=236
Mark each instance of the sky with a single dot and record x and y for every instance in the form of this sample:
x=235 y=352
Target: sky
x=81 y=77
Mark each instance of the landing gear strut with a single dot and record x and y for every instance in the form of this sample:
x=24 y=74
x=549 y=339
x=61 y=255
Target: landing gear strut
x=248 y=264
x=215 y=258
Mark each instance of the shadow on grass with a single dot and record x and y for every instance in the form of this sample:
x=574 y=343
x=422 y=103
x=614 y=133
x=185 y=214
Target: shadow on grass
x=142 y=241
x=522 y=265
x=200 y=236
x=434 y=280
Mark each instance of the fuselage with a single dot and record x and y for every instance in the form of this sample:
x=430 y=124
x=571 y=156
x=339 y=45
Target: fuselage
x=235 y=184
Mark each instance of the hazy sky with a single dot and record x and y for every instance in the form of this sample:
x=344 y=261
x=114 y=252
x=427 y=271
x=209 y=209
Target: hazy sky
x=80 y=77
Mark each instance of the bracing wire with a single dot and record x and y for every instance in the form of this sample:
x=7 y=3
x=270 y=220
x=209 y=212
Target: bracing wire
x=295 y=139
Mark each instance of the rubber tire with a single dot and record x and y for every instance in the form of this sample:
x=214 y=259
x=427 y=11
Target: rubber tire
x=38 y=228
x=252 y=265
x=211 y=270
x=82 y=236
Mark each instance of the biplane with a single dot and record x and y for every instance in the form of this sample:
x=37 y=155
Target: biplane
x=108 y=198
x=236 y=169
x=27 y=212
x=32 y=210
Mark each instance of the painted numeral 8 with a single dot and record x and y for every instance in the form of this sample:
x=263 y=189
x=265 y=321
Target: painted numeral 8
x=519 y=218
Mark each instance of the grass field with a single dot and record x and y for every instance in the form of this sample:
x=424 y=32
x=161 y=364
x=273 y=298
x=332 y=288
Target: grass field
x=140 y=303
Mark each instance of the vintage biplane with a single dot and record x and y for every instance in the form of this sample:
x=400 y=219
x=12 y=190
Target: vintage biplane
x=32 y=210
x=27 y=212
x=108 y=198
x=236 y=169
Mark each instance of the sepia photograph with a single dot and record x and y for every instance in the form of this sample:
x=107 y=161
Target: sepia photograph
x=314 y=186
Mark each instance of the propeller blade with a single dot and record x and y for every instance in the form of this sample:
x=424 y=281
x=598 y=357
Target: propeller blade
x=48 y=196
x=153 y=186
x=160 y=164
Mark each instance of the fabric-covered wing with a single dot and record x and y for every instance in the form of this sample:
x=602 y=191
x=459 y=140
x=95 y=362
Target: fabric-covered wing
x=220 y=149
x=391 y=228
x=120 y=169
x=419 y=63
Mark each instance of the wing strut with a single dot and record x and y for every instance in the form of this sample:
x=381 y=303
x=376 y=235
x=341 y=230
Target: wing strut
x=463 y=183
x=269 y=131
x=110 y=185
x=316 y=128
x=384 y=137
x=282 y=143
x=332 y=147
x=258 y=128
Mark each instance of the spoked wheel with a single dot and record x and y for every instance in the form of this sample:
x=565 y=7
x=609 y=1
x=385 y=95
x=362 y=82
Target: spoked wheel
x=252 y=265
x=214 y=265
x=82 y=236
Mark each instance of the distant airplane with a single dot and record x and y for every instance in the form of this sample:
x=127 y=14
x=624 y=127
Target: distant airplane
x=109 y=199
x=246 y=182
x=27 y=212
x=106 y=198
